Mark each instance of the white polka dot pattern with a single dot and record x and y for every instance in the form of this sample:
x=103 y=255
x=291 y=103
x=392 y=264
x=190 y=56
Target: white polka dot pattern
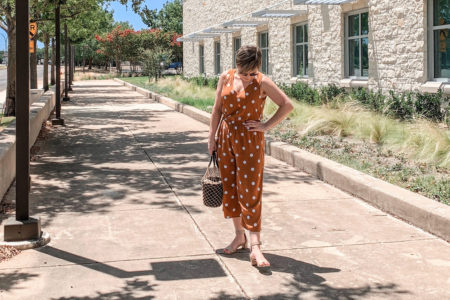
x=242 y=156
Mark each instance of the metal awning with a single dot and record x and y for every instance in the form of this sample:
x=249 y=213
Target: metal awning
x=232 y=25
x=244 y=23
x=220 y=30
x=203 y=35
x=320 y=2
x=198 y=36
x=267 y=13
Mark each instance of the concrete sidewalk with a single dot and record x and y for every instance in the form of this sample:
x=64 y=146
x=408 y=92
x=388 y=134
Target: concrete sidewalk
x=119 y=191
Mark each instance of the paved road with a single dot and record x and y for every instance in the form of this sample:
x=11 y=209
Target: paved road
x=118 y=189
x=3 y=79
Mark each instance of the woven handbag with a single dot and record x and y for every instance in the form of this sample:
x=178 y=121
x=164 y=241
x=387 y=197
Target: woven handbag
x=212 y=184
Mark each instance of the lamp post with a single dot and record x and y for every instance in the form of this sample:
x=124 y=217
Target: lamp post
x=24 y=231
x=66 y=64
x=58 y=120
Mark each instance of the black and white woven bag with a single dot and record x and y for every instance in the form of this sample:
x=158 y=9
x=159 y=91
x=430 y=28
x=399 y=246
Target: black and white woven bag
x=212 y=184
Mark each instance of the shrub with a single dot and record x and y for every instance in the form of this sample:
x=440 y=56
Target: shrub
x=400 y=105
x=372 y=100
x=303 y=93
x=330 y=92
x=203 y=81
x=429 y=106
x=212 y=82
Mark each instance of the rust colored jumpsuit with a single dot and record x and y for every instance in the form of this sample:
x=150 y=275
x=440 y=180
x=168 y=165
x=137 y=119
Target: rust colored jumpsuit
x=241 y=152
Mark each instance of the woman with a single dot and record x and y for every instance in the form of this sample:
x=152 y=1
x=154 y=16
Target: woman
x=240 y=101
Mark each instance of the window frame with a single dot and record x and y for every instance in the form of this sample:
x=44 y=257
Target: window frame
x=295 y=72
x=260 y=33
x=234 y=48
x=358 y=37
x=431 y=43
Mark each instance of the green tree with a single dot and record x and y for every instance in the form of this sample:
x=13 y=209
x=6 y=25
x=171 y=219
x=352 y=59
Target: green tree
x=169 y=18
x=151 y=60
x=41 y=11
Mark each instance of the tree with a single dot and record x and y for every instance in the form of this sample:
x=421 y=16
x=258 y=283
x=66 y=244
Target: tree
x=69 y=10
x=168 y=19
x=151 y=60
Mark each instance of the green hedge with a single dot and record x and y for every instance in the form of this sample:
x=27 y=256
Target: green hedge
x=404 y=105
x=203 y=81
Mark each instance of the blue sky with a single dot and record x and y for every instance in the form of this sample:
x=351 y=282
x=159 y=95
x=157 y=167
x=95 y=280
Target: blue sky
x=121 y=13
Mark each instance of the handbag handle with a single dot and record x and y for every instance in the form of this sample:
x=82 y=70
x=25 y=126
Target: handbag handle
x=213 y=160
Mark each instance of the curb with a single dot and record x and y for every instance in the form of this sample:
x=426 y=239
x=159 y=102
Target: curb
x=30 y=244
x=413 y=208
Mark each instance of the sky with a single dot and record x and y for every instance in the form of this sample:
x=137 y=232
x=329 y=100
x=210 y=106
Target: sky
x=121 y=13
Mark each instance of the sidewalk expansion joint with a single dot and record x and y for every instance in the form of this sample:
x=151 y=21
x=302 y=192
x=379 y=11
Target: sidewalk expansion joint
x=111 y=261
x=178 y=198
x=312 y=199
x=351 y=245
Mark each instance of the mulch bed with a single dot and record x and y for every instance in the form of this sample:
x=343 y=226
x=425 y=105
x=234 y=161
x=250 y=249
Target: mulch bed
x=7 y=252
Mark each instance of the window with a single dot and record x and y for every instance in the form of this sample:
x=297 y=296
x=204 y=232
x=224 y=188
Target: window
x=217 y=57
x=440 y=25
x=357 y=45
x=264 y=46
x=236 y=46
x=201 y=51
x=301 y=50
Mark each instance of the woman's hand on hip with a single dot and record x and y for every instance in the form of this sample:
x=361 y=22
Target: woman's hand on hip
x=253 y=125
x=212 y=145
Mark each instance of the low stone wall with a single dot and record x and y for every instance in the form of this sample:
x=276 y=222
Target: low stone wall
x=40 y=111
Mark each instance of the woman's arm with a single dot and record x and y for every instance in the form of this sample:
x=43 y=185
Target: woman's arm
x=269 y=88
x=216 y=114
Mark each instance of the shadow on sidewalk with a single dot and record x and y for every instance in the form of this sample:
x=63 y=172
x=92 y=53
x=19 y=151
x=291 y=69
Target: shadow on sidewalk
x=305 y=280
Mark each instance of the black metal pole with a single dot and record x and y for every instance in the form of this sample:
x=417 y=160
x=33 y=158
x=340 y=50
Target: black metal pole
x=58 y=58
x=70 y=66
x=22 y=227
x=66 y=65
x=22 y=111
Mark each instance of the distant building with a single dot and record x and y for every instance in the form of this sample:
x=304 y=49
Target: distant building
x=378 y=44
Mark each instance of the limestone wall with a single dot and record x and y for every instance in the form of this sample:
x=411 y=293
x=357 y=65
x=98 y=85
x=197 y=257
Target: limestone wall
x=397 y=40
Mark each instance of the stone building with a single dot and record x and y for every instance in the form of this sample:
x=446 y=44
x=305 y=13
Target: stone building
x=378 y=44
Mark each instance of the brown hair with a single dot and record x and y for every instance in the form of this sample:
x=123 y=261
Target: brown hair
x=248 y=58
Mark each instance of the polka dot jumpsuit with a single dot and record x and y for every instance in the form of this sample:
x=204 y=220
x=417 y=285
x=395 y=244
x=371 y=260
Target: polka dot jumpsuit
x=241 y=152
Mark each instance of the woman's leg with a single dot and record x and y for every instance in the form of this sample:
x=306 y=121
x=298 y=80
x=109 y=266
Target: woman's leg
x=239 y=239
x=255 y=249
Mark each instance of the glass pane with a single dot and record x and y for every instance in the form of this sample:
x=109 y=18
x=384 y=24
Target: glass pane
x=264 y=43
x=306 y=33
x=365 y=23
x=299 y=34
x=306 y=60
x=441 y=12
x=441 y=53
x=353 y=25
x=265 y=60
x=365 y=57
x=299 y=60
x=353 y=49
